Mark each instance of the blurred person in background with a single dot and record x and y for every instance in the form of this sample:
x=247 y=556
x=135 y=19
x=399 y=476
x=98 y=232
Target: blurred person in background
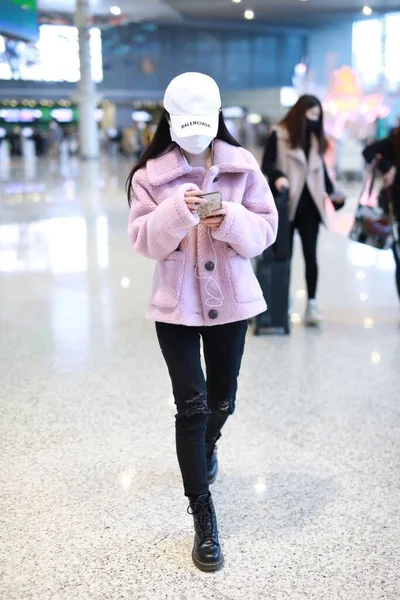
x=387 y=151
x=40 y=142
x=114 y=141
x=15 y=141
x=73 y=140
x=55 y=137
x=204 y=286
x=262 y=132
x=294 y=159
x=147 y=136
x=130 y=145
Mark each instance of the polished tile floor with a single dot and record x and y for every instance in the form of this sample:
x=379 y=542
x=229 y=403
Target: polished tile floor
x=91 y=505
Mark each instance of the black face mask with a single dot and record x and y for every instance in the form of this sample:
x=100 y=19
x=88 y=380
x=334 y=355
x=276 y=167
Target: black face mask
x=312 y=125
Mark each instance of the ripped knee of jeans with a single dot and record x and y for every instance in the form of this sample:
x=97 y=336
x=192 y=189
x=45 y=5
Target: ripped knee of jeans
x=195 y=406
x=226 y=407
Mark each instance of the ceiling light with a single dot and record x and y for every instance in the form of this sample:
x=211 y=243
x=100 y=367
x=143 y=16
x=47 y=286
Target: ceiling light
x=249 y=14
x=236 y=1
x=367 y=11
x=115 y=10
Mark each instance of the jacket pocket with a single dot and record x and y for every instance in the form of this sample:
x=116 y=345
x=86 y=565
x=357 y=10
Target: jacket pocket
x=244 y=281
x=168 y=281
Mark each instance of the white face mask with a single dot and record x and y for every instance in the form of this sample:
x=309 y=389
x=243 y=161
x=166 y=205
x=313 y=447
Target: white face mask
x=194 y=144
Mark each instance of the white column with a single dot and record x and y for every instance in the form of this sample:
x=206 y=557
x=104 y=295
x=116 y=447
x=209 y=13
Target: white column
x=4 y=160
x=87 y=96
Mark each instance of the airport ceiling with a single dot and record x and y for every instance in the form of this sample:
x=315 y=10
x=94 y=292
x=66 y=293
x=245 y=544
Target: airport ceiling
x=136 y=10
x=296 y=12
x=280 y=11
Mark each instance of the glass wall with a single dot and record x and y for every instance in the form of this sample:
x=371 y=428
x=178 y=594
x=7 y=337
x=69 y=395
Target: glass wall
x=140 y=56
x=392 y=51
x=376 y=50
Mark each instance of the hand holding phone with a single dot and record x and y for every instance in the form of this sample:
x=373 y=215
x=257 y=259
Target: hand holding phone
x=213 y=203
x=193 y=199
x=215 y=219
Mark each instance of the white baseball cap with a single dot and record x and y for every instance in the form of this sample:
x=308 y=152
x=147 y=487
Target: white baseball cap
x=193 y=102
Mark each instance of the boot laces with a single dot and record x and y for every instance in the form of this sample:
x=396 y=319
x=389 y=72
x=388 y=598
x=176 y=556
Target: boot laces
x=203 y=514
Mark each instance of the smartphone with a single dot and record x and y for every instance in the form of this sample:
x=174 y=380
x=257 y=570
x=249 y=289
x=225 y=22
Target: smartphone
x=214 y=202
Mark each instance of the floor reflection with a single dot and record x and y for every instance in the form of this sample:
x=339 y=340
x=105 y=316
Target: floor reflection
x=360 y=255
x=70 y=322
x=58 y=245
x=58 y=180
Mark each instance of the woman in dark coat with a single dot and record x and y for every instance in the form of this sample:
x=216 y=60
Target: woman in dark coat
x=388 y=151
x=294 y=159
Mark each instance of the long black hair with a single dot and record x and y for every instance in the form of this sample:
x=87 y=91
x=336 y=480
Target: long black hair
x=162 y=140
x=296 y=123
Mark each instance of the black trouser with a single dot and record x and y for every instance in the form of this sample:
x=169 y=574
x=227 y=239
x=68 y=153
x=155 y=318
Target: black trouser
x=396 y=252
x=203 y=407
x=307 y=222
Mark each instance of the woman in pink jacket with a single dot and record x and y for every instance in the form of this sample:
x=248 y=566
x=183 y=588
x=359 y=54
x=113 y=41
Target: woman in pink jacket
x=204 y=285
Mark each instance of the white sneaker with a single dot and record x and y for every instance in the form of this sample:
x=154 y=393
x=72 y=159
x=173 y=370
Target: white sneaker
x=313 y=317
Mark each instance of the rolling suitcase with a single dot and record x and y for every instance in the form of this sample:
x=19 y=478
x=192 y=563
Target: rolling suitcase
x=280 y=251
x=274 y=279
x=273 y=274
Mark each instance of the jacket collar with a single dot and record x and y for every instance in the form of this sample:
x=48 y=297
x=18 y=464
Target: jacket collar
x=171 y=165
x=314 y=159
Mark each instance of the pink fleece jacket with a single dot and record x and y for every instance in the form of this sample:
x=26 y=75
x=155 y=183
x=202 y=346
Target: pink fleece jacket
x=203 y=277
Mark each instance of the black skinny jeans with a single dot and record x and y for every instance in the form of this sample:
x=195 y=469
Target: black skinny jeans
x=307 y=222
x=203 y=407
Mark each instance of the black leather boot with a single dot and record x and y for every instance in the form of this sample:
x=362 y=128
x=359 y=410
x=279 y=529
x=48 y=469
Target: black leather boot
x=207 y=555
x=212 y=464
